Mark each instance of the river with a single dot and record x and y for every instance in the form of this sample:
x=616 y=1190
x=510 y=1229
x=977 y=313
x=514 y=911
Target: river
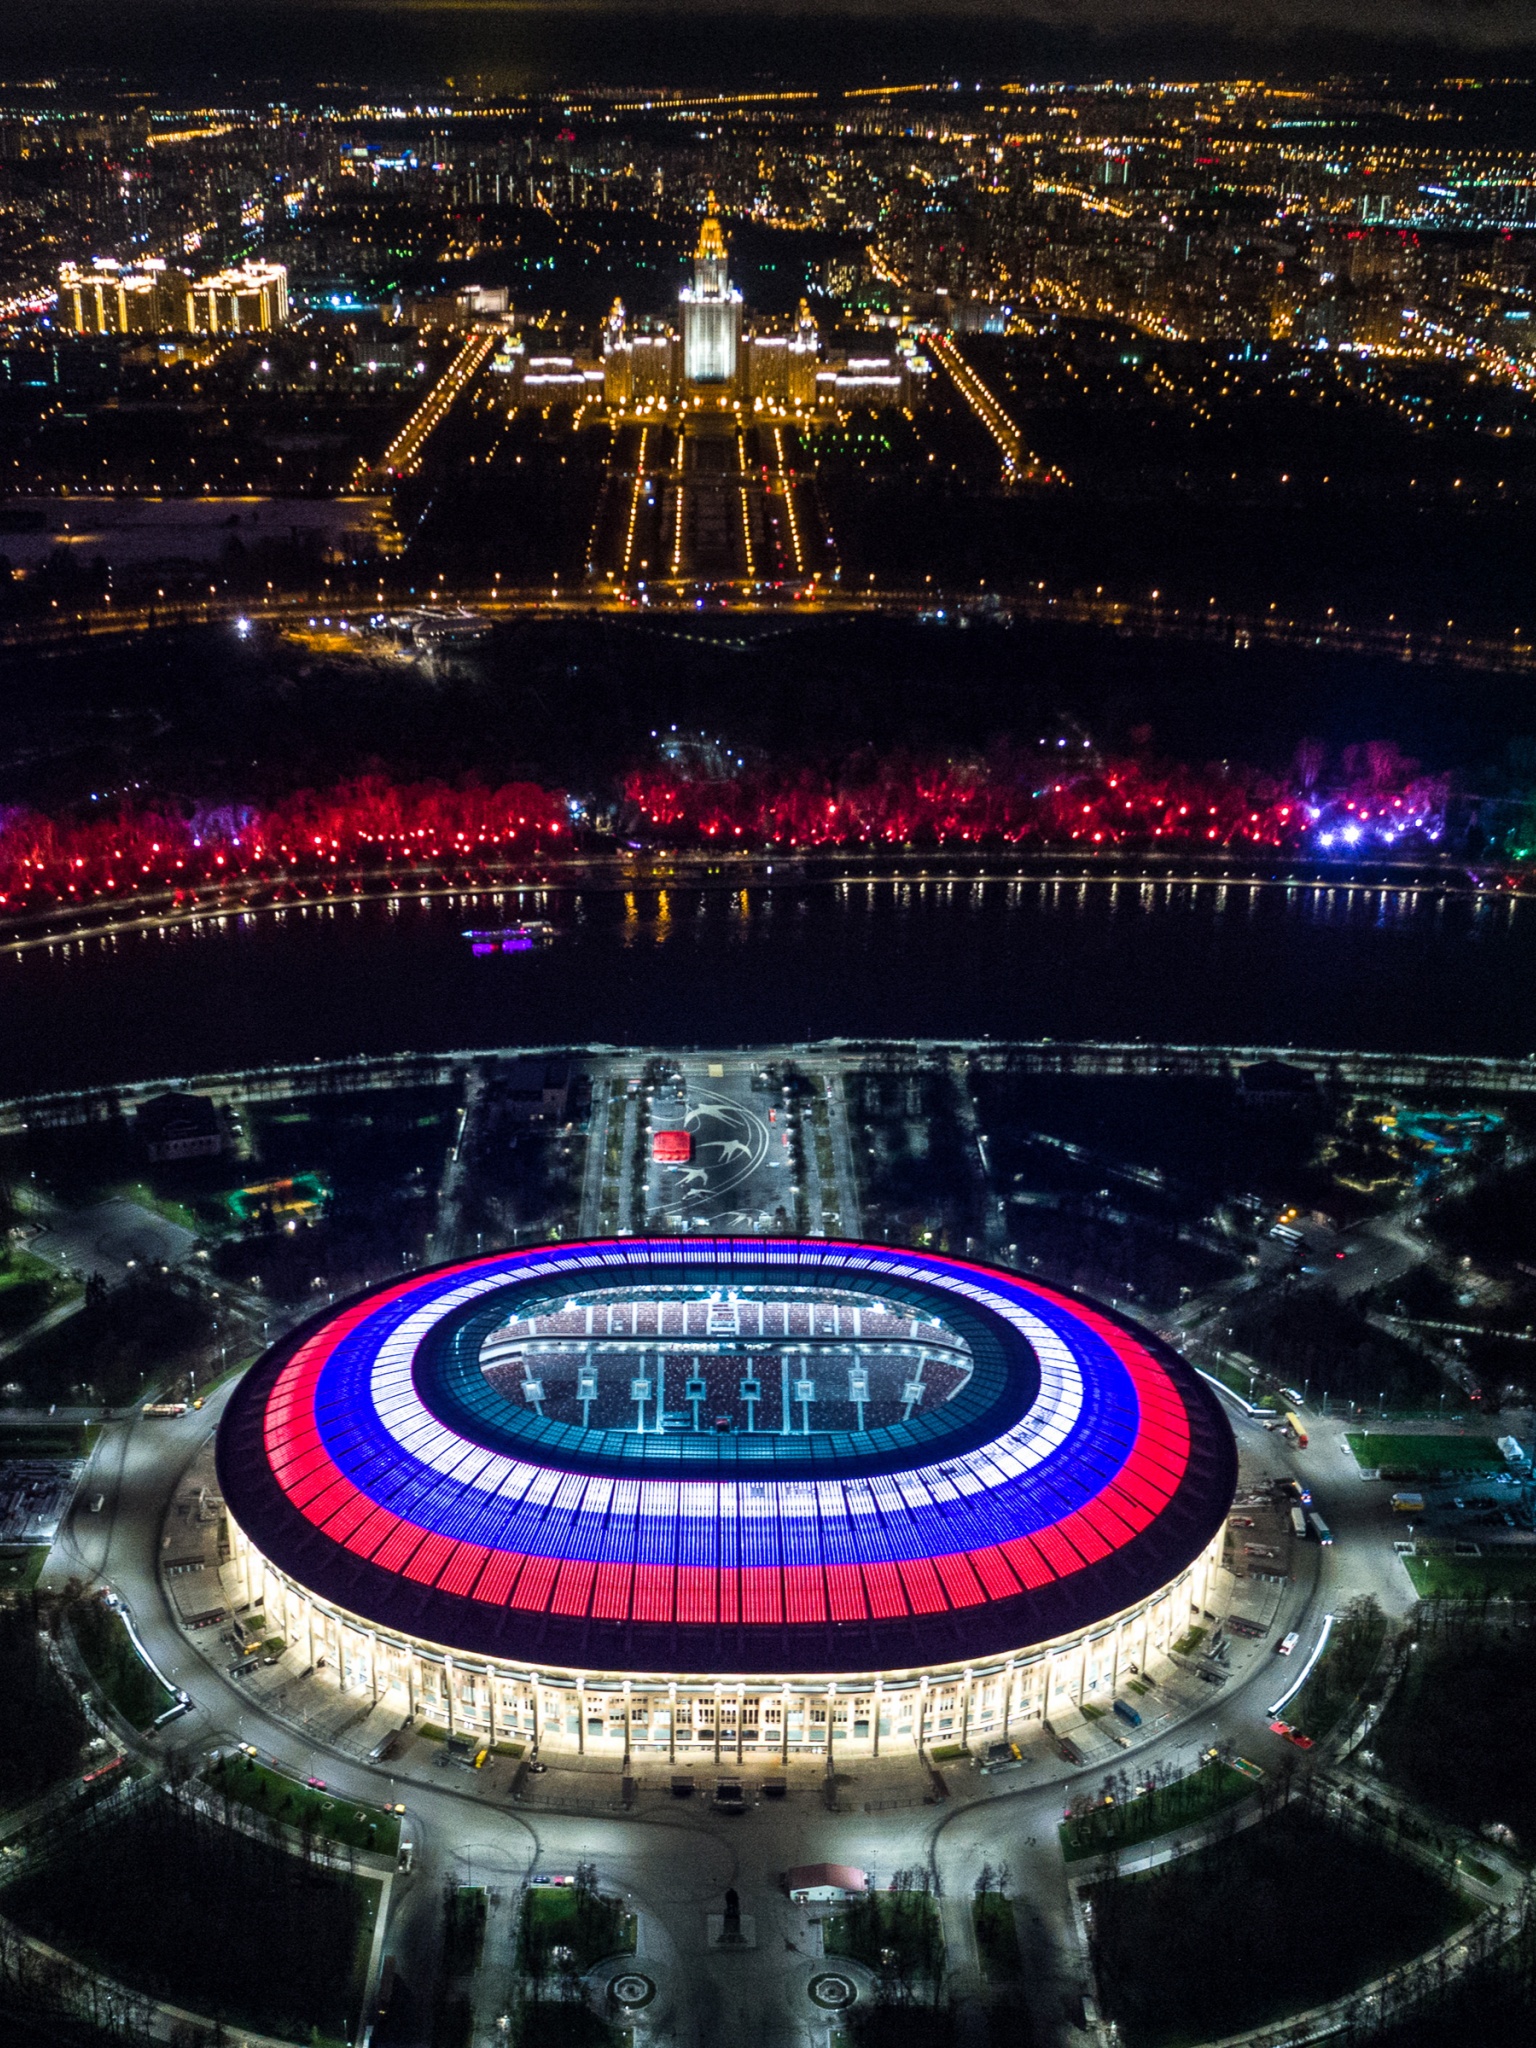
x=1380 y=968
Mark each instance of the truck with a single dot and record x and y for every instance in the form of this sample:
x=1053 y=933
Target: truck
x=1127 y=1713
x=1319 y=1528
x=1298 y=1524
x=1297 y=1428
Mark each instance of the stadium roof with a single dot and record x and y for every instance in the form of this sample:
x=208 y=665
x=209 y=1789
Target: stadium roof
x=1080 y=1467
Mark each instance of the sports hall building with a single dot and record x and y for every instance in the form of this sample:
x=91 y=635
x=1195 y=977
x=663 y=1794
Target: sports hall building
x=760 y=1497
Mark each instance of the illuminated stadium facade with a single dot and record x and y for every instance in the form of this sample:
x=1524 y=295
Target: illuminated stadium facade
x=754 y=1496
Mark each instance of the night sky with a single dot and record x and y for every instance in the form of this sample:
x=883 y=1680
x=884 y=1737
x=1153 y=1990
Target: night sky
x=505 y=44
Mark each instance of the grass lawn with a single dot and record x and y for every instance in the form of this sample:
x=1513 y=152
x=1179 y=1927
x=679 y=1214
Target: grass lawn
x=116 y=1666
x=997 y=1937
x=285 y=1799
x=29 y=1288
x=20 y=1569
x=1416 y=1457
x=583 y=1921
x=1191 y=1799
x=1273 y=1920
x=52 y=1440
x=1439 y=1577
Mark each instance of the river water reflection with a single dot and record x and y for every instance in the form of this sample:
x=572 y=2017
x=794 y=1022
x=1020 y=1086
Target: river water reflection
x=1220 y=962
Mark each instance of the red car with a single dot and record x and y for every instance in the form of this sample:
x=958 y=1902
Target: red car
x=1285 y=1729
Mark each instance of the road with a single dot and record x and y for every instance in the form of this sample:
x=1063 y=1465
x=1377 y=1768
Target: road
x=742 y=1173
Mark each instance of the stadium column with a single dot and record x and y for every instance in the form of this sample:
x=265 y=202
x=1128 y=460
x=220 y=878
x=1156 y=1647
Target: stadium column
x=784 y=1711
x=922 y=1712
x=672 y=1722
x=741 y=1717
x=581 y=1717
x=874 y=1719
x=1008 y=1678
x=1146 y=1632
x=448 y=1690
x=718 y=1697
x=490 y=1698
x=373 y=1664
x=309 y=1633
x=965 y=1710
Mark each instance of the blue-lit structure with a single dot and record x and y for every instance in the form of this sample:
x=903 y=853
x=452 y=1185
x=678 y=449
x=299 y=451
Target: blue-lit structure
x=744 y=1466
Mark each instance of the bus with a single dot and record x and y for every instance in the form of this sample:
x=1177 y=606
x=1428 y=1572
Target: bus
x=1320 y=1528
x=1297 y=1427
x=165 y=1408
x=1298 y=1524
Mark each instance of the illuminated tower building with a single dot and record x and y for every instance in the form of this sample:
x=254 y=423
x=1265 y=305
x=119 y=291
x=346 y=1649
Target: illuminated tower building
x=804 y=353
x=617 y=385
x=711 y=315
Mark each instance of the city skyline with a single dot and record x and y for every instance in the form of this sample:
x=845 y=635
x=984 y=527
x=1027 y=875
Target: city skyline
x=767 y=1077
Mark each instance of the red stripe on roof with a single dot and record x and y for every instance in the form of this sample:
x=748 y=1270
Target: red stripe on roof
x=845 y=1590
x=573 y=1586
x=885 y=1594
x=534 y=1582
x=610 y=1601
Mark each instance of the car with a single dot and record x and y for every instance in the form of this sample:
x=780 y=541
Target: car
x=1287 y=1643
x=247 y=1748
x=315 y=1784
x=1000 y=1756
x=1290 y=1734
x=399 y=1808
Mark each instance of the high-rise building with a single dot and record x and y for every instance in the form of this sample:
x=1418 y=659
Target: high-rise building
x=249 y=298
x=711 y=314
x=638 y=368
x=106 y=297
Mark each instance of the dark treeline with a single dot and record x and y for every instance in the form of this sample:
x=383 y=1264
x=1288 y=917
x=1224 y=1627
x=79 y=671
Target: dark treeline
x=174 y=1903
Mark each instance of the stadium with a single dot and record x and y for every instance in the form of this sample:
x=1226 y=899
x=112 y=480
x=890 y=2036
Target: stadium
x=748 y=1495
